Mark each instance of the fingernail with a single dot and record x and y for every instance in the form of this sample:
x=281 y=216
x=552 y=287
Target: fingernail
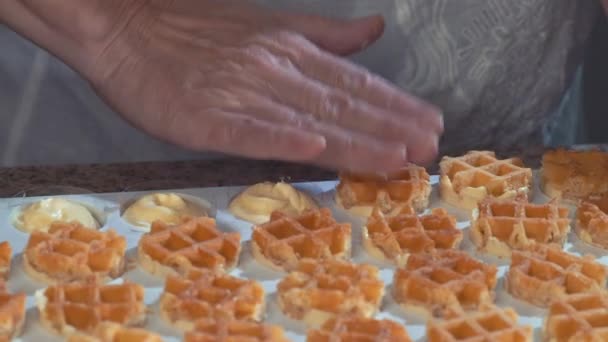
x=321 y=141
x=435 y=146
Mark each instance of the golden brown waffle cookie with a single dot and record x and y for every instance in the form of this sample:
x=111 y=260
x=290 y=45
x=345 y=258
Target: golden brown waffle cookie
x=592 y=221
x=201 y=294
x=354 y=328
x=67 y=308
x=578 y=317
x=499 y=226
x=72 y=252
x=573 y=175
x=544 y=273
x=394 y=236
x=6 y=256
x=195 y=243
x=12 y=313
x=319 y=290
x=114 y=332
x=359 y=193
x=283 y=241
x=444 y=282
x=488 y=325
x=225 y=330
x=468 y=179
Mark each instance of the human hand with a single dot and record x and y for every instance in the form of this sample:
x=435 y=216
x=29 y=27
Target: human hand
x=238 y=79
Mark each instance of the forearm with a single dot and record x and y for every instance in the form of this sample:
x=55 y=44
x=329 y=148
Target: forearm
x=73 y=30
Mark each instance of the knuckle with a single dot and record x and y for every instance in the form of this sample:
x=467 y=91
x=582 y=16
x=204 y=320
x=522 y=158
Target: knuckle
x=262 y=58
x=289 y=38
x=358 y=80
x=253 y=53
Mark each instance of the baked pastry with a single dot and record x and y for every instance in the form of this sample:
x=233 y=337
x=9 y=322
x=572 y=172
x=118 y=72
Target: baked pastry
x=170 y=208
x=82 y=306
x=544 y=273
x=72 y=252
x=6 y=256
x=444 y=282
x=283 y=241
x=202 y=293
x=393 y=236
x=592 y=221
x=574 y=175
x=578 y=317
x=360 y=193
x=499 y=226
x=257 y=202
x=114 y=332
x=12 y=313
x=319 y=290
x=487 y=325
x=468 y=179
x=194 y=243
x=354 y=328
x=226 y=330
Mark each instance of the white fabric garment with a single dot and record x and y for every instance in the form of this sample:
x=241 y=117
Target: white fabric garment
x=497 y=68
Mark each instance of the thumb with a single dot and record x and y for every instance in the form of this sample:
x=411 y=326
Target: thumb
x=338 y=36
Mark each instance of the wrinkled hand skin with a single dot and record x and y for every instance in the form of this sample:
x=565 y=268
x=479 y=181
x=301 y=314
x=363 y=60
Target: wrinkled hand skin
x=231 y=77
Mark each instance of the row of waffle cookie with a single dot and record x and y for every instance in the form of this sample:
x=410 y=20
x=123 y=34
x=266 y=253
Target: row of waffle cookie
x=72 y=252
x=90 y=312
x=500 y=226
x=468 y=179
x=464 y=181
x=323 y=291
x=210 y=305
x=335 y=299
x=454 y=291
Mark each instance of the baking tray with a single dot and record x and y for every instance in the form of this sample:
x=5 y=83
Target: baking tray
x=108 y=208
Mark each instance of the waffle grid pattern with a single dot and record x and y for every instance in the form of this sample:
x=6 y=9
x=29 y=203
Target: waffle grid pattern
x=72 y=252
x=445 y=282
x=210 y=329
x=481 y=170
x=399 y=234
x=353 y=328
x=196 y=243
x=519 y=224
x=545 y=272
x=408 y=186
x=333 y=287
x=578 y=317
x=85 y=305
x=490 y=324
x=284 y=240
x=202 y=294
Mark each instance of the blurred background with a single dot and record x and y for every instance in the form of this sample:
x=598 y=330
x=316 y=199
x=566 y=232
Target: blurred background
x=49 y=115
